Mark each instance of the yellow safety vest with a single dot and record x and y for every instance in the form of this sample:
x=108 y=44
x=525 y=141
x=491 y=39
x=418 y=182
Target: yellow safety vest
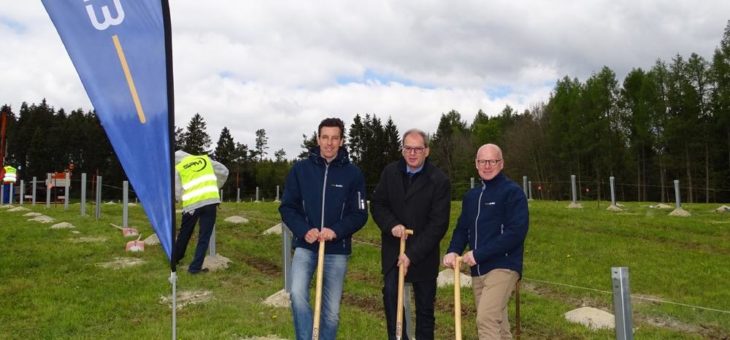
x=11 y=175
x=198 y=180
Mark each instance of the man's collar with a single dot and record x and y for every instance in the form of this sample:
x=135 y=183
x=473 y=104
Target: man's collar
x=414 y=171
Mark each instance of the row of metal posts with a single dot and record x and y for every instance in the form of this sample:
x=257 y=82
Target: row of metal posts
x=66 y=194
x=238 y=194
x=526 y=185
x=527 y=188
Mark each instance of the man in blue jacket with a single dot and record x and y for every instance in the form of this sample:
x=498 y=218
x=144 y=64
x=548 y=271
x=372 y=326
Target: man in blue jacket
x=493 y=222
x=324 y=198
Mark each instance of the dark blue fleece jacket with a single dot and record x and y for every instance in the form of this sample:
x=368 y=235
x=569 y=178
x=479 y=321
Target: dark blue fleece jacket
x=493 y=222
x=337 y=189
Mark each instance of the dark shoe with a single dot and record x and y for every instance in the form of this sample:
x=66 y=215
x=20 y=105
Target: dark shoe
x=204 y=270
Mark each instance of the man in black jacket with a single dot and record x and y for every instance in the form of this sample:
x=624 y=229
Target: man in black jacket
x=412 y=194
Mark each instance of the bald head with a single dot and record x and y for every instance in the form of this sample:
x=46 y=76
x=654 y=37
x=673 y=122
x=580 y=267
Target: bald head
x=491 y=147
x=489 y=161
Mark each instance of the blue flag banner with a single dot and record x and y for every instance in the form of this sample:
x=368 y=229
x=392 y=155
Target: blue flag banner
x=118 y=49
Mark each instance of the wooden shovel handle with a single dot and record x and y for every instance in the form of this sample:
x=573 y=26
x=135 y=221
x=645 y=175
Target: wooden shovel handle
x=401 y=279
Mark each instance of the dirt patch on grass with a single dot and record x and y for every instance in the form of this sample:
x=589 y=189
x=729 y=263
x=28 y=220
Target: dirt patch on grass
x=666 y=322
x=121 y=262
x=263 y=265
x=187 y=298
x=370 y=304
x=42 y=219
x=268 y=337
x=88 y=239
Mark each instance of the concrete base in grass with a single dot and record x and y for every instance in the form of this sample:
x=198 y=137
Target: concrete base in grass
x=592 y=318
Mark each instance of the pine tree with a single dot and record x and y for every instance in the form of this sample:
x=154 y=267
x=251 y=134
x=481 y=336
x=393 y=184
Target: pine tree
x=261 y=144
x=307 y=144
x=279 y=155
x=179 y=139
x=225 y=148
x=392 y=142
x=196 y=140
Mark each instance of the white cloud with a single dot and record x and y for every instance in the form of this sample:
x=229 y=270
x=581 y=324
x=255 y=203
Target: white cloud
x=279 y=65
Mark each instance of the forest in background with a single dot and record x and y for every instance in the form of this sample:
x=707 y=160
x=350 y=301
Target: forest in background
x=669 y=122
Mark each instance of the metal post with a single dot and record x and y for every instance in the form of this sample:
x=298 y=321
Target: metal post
x=211 y=243
x=220 y=192
x=573 y=188
x=66 y=191
x=622 y=303
x=529 y=190
x=33 y=193
x=21 y=194
x=238 y=195
x=125 y=204
x=98 y=197
x=277 y=193
x=676 y=194
x=257 y=194
x=10 y=191
x=2 y=192
x=524 y=184
x=471 y=183
x=83 y=194
x=286 y=256
x=613 y=190
x=48 y=190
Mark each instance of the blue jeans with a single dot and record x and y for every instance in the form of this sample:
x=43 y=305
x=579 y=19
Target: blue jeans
x=303 y=267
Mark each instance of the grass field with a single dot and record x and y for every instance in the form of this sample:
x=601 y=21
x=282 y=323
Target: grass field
x=52 y=287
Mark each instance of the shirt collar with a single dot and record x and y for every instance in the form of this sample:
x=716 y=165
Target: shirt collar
x=415 y=171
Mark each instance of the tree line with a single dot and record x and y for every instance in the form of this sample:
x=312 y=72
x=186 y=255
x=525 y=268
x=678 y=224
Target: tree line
x=669 y=122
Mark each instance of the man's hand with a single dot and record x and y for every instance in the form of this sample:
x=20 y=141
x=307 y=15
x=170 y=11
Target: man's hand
x=327 y=234
x=404 y=261
x=312 y=235
x=449 y=260
x=468 y=258
x=399 y=231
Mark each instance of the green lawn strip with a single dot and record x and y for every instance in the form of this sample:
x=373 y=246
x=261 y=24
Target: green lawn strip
x=53 y=288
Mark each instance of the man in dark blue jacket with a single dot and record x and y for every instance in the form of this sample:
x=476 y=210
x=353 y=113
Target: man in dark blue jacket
x=493 y=222
x=324 y=199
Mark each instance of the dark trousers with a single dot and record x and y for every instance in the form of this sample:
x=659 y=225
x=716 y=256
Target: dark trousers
x=206 y=215
x=424 y=293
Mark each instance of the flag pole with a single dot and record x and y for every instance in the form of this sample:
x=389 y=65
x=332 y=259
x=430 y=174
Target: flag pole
x=171 y=135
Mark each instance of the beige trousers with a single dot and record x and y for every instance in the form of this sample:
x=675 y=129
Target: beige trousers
x=491 y=293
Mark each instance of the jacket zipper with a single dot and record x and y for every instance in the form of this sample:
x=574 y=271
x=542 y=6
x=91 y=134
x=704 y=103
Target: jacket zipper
x=476 y=234
x=324 y=193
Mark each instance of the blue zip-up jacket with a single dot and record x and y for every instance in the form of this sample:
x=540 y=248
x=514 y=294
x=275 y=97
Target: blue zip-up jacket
x=493 y=222
x=314 y=187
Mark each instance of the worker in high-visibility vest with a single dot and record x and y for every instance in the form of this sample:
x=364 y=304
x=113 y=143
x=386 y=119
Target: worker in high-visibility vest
x=11 y=175
x=197 y=181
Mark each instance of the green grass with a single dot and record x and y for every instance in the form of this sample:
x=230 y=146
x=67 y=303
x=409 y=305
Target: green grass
x=52 y=288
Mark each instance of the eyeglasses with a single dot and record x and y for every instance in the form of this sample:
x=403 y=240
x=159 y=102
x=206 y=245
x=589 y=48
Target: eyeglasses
x=490 y=162
x=413 y=149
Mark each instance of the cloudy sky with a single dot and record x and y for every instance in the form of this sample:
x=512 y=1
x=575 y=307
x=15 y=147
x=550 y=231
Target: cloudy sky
x=283 y=66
